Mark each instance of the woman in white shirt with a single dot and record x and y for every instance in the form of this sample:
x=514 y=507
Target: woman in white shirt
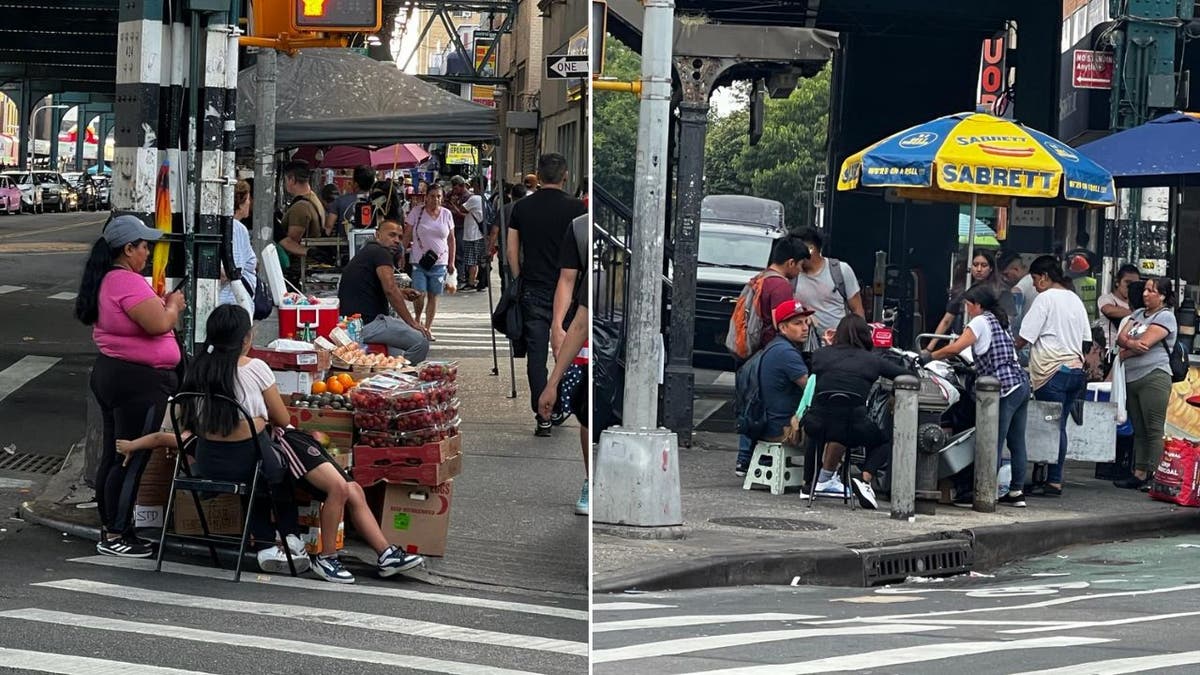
x=1057 y=326
x=430 y=229
x=243 y=252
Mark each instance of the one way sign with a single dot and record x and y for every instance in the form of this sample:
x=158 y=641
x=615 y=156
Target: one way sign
x=562 y=66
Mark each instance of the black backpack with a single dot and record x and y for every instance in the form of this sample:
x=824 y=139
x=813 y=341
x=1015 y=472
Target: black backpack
x=748 y=399
x=1178 y=360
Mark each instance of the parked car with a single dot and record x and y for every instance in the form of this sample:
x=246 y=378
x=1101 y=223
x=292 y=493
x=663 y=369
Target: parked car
x=103 y=192
x=10 y=196
x=31 y=198
x=56 y=193
x=85 y=188
x=736 y=235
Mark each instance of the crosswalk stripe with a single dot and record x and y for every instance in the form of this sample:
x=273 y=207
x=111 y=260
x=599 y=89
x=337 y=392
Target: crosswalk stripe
x=1135 y=664
x=487 y=343
x=624 y=606
x=64 y=296
x=694 y=620
x=705 y=643
x=464 y=316
x=389 y=624
x=10 y=289
x=916 y=654
x=438 y=346
x=311 y=648
x=44 y=662
x=325 y=586
x=20 y=373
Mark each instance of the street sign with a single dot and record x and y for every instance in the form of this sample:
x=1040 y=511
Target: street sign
x=337 y=16
x=564 y=66
x=1093 y=70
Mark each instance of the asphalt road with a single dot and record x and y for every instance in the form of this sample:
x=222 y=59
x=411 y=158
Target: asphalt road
x=76 y=612
x=44 y=353
x=1116 y=608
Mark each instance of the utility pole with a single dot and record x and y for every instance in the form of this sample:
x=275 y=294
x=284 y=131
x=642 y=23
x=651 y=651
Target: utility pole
x=637 y=466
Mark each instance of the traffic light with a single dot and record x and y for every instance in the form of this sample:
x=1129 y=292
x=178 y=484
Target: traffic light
x=336 y=16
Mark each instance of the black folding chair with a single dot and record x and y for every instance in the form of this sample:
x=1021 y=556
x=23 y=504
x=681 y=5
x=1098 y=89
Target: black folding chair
x=837 y=408
x=182 y=479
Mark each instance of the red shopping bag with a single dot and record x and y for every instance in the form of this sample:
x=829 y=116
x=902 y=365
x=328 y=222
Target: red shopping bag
x=1176 y=479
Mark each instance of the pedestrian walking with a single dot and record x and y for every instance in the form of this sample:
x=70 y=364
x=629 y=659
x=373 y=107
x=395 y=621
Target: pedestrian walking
x=429 y=239
x=135 y=372
x=1145 y=342
x=1056 y=326
x=539 y=224
x=473 y=241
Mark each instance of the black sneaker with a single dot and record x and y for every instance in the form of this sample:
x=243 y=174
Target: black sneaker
x=544 y=428
x=557 y=418
x=740 y=467
x=124 y=547
x=1016 y=499
x=964 y=500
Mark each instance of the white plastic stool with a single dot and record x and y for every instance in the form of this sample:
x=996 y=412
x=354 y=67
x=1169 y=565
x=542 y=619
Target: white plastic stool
x=781 y=473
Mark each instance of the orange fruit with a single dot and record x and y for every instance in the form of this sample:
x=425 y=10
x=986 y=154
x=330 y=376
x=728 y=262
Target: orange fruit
x=319 y=387
x=336 y=387
x=346 y=379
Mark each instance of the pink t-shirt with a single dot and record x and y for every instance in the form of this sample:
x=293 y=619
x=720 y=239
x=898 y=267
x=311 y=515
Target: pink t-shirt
x=430 y=233
x=119 y=336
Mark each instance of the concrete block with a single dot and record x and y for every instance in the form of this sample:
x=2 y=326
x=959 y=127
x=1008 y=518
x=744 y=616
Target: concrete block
x=636 y=478
x=1093 y=441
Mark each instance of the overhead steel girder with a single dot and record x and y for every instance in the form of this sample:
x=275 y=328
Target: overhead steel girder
x=440 y=10
x=89 y=99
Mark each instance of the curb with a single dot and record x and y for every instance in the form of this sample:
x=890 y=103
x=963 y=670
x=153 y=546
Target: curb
x=991 y=546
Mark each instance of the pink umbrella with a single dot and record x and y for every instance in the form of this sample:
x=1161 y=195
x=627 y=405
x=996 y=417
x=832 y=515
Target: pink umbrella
x=400 y=155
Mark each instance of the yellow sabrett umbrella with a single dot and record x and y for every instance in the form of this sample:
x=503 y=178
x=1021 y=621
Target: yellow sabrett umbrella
x=978 y=158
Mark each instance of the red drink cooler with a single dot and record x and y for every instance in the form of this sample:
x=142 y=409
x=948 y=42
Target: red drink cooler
x=293 y=317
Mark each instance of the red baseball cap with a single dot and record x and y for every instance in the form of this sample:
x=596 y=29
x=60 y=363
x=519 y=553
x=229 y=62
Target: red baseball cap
x=789 y=309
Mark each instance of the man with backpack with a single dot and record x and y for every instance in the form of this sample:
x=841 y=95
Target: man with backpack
x=828 y=287
x=771 y=384
x=751 y=327
x=353 y=210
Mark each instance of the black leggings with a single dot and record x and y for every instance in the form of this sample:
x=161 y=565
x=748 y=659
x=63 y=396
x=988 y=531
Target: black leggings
x=133 y=401
x=852 y=428
x=234 y=461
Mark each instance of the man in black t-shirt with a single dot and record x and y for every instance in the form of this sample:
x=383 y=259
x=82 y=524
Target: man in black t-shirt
x=539 y=223
x=369 y=286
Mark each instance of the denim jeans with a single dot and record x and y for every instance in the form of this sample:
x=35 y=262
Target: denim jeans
x=1013 y=408
x=1066 y=386
x=745 y=449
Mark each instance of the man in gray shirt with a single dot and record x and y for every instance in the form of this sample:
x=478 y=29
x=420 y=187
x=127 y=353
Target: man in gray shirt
x=826 y=291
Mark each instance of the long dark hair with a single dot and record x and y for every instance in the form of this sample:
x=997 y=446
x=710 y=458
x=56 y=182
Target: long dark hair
x=985 y=295
x=99 y=263
x=1049 y=266
x=214 y=371
x=853 y=331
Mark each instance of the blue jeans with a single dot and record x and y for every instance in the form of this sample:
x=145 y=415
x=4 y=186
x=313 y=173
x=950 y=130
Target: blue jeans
x=1013 y=408
x=1066 y=386
x=745 y=449
x=431 y=281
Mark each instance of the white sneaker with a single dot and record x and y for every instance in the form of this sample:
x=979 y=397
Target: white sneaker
x=581 y=506
x=833 y=488
x=866 y=494
x=297 y=546
x=274 y=561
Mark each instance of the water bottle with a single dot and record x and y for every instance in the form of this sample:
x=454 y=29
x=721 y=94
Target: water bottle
x=354 y=328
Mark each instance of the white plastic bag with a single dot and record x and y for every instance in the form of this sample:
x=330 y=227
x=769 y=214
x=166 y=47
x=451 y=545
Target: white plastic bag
x=451 y=284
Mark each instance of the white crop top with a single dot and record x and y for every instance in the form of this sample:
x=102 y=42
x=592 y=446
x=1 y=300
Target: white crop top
x=252 y=380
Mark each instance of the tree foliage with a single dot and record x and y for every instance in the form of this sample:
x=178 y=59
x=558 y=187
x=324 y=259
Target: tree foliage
x=781 y=166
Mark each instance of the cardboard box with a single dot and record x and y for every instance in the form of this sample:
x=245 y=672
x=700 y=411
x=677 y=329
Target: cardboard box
x=431 y=474
x=430 y=453
x=156 y=482
x=324 y=419
x=223 y=514
x=308 y=362
x=414 y=517
x=292 y=382
x=310 y=527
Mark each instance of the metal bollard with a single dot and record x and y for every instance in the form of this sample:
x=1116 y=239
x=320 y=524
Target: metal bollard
x=904 y=446
x=987 y=438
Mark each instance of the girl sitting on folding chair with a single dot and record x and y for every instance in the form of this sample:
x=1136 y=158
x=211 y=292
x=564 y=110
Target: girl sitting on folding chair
x=225 y=449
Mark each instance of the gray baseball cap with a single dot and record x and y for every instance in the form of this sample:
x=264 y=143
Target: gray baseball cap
x=128 y=229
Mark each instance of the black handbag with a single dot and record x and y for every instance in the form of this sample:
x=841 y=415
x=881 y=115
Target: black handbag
x=509 y=320
x=429 y=260
x=261 y=293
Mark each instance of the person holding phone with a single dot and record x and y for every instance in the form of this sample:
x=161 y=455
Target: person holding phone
x=135 y=372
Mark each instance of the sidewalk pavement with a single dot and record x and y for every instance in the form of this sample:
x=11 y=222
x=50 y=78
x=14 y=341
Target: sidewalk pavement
x=512 y=522
x=780 y=540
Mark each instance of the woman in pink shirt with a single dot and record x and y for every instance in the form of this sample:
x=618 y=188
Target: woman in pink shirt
x=135 y=372
x=430 y=229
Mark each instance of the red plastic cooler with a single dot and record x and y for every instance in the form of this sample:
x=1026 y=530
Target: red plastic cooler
x=293 y=317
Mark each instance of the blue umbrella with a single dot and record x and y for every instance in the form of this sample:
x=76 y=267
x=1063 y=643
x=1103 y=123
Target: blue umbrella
x=984 y=235
x=1162 y=152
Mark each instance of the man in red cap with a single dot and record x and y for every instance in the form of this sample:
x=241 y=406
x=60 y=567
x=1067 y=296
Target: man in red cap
x=783 y=373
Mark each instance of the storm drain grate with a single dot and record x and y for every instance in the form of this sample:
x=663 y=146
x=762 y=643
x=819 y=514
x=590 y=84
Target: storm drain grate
x=924 y=559
x=781 y=524
x=26 y=463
